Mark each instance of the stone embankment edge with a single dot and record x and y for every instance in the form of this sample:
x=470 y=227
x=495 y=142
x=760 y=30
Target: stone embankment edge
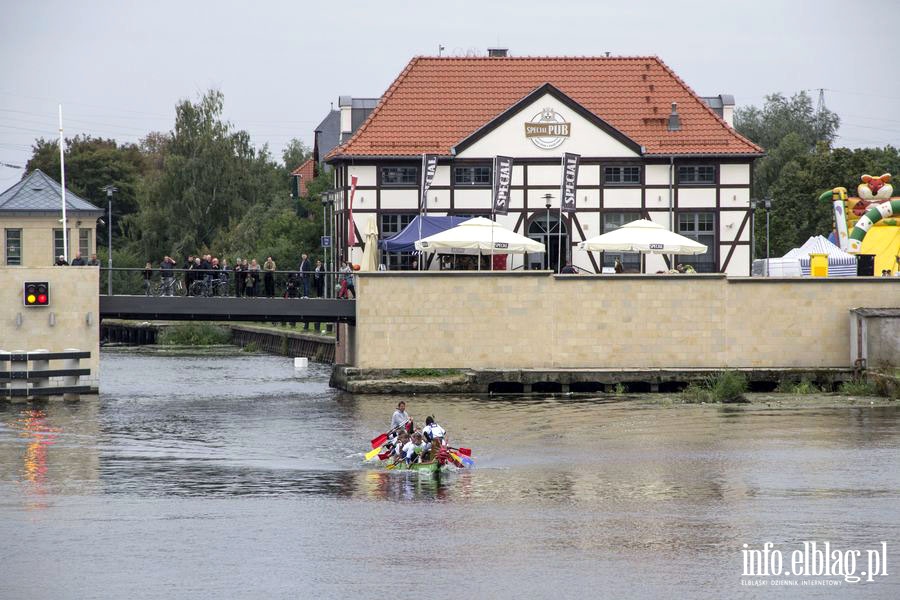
x=542 y=381
x=319 y=348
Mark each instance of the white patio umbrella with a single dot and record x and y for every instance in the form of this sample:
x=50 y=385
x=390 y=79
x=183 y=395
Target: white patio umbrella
x=477 y=236
x=370 y=254
x=645 y=237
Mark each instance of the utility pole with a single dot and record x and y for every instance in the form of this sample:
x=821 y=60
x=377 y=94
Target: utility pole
x=820 y=114
x=110 y=190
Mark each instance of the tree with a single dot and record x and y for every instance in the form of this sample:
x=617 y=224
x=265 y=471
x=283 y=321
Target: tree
x=211 y=176
x=797 y=213
x=786 y=129
x=91 y=164
x=790 y=131
x=295 y=153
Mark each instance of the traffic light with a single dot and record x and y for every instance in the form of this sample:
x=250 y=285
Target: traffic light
x=36 y=293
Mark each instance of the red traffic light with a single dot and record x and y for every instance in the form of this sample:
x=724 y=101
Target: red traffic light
x=36 y=293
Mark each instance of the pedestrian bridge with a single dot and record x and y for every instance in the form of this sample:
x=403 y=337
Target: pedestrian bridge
x=194 y=308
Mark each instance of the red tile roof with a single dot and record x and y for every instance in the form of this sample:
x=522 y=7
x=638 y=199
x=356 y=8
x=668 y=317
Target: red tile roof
x=437 y=102
x=306 y=172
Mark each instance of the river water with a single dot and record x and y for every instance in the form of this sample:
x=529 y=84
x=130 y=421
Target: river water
x=235 y=477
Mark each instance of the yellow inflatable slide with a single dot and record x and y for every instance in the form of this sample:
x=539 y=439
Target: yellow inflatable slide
x=869 y=223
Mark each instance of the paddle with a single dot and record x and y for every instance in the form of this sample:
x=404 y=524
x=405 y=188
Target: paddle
x=463 y=451
x=371 y=454
x=381 y=439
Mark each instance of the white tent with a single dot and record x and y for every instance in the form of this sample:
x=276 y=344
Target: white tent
x=840 y=263
x=478 y=236
x=645 y=237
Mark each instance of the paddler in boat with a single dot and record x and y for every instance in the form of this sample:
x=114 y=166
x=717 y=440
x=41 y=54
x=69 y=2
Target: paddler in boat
x=433 y=434
x=413 y=449
x=402 y=440
x=401 y=417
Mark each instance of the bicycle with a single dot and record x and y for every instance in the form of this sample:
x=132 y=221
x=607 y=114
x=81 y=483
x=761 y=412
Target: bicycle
x=209 y=288
x=174 y=288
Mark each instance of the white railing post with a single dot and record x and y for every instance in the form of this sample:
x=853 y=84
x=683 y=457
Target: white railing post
x=18 y=384
x=71 y=380
x=5 y=365
x=37 y=366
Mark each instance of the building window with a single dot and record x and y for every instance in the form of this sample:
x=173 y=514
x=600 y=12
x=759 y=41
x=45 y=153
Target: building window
x=631 y=261
x=399 y=175
x=392 y=224
x=472 y=175
x=697 y=174
x=14 y=247
x=621 y=175
x=84 y=242
x=700 y=227
x=58 y=246
x=397 y=261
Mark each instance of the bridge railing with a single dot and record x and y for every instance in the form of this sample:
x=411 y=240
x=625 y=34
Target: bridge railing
x=28 y=374
x=219 y=283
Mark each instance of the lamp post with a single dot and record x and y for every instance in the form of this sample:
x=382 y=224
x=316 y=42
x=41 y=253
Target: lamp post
x=110 y=190
x=547 y=198
x=753 y=203
x=326 y=200
x=767 y=202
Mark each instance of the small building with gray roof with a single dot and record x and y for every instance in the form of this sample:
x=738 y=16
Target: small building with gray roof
x=31 y=222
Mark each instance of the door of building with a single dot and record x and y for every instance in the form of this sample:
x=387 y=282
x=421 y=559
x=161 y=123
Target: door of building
x=547 y=229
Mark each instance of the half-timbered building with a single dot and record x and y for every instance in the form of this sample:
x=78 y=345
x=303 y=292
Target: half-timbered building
x=650 y=148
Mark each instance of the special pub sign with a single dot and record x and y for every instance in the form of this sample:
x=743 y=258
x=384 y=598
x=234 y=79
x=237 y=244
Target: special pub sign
x=547 y=129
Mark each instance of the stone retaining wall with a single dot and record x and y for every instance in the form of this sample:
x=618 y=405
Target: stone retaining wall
x=534 y=320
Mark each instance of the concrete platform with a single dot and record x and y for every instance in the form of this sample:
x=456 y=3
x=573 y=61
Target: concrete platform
x=560 y=381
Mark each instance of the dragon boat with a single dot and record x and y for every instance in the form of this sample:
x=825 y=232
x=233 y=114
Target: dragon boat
x=446 y=460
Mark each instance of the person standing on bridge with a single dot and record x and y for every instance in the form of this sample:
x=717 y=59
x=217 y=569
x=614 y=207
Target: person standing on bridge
x=305 y=269
x=187 y=266
x=252 y=278
x=147 y=275
x=269 y=268
x=168 y=275
x=319 y=279
x=239 y=276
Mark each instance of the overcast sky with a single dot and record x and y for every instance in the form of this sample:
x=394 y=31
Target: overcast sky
x=119 y=67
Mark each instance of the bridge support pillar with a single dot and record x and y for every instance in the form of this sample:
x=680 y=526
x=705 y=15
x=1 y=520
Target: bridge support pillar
x=18 y=363
x=38 y=365
x=71 y=380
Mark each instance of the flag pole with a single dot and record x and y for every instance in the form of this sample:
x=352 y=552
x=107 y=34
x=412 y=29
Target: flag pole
x=421 y=202
x=559 y=223
x=493 y=207
x=62 y=187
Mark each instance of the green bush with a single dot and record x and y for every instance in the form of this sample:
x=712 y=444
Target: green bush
x=194 y=334
x=859 y=387
x=725 y=386
x=428 y=372
x=801 y=388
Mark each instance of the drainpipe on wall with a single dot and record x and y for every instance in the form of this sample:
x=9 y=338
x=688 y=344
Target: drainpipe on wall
x=671 y=204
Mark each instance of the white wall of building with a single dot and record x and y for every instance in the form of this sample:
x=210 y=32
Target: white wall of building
x=697 y=197
x=441 y=175
x=509 y=138
x=656 y=174
x=621 y=198
x=734 y=174
x=365 y=175
x=407 y=199
x=734 y=198
x=737 y=267
x=729 y=223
